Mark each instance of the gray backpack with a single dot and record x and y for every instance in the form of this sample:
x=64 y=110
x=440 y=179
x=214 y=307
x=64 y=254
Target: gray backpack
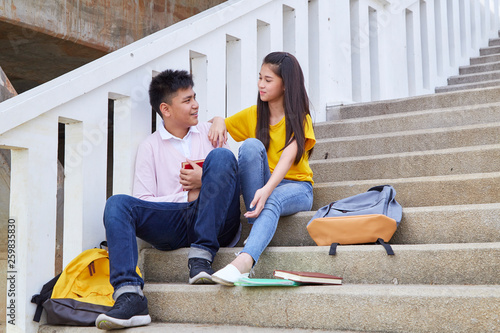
x=367 y=217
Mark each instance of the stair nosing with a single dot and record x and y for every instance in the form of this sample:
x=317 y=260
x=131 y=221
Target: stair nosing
x=465 y=85
x=469 y=207
x=368 y=182
x=404 y=114
x=471 y=75
x=443 y=151
x=409 y=133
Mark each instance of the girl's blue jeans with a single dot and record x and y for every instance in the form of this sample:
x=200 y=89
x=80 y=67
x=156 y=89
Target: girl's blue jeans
x=205 y=224
x=288 y=197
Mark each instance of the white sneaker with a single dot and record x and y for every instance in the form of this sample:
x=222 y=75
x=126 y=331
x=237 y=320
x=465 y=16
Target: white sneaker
x=228 y=275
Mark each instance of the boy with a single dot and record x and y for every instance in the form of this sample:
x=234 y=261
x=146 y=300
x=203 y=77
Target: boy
x=172 y=207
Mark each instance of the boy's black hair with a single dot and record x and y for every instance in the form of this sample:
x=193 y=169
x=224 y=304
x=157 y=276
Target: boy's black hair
x=165 y=85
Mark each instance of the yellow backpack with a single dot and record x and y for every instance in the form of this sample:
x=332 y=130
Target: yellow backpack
x=80 y=293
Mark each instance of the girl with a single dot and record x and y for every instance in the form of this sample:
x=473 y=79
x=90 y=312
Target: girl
x=273 y=161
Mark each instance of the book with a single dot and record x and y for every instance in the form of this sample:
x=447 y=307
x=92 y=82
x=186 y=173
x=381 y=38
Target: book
x=247 y=282
x=308 y=277
x=186 y=165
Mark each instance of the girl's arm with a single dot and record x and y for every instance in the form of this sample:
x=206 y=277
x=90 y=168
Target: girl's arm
x=261 y=195
x=218 y=132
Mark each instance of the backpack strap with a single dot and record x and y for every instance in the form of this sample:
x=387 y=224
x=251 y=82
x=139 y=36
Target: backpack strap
x=44 y=295
x=386 y=246
x=333 y=249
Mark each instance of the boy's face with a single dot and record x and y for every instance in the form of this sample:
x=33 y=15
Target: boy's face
x=182 y=112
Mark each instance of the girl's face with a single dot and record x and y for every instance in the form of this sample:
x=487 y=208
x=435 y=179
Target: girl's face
x=270 y=85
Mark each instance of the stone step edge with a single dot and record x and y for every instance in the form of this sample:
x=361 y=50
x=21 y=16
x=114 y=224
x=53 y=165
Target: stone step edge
x=422 y=153
x=349 y=248
x=409 y=133
x=409 y=100
x=425 y=209
x=487 y=59
x=473 y=86
x=159 y=327
x=472 y=75
x=375 y=182
x=476 y=66
x=488 y=291
x=460 y=263
x=475 y=223
x=403 y=115
x=378 y=308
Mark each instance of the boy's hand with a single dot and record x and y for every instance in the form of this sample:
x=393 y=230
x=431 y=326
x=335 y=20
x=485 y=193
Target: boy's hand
x=191 y=179
x=193 y=194
x=218 y=132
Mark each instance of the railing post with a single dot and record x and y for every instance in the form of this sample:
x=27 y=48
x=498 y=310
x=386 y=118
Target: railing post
x=330 y=49
x=33 y=209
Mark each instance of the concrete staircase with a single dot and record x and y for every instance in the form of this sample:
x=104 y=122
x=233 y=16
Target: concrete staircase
x=442 y=155
x=483 y=71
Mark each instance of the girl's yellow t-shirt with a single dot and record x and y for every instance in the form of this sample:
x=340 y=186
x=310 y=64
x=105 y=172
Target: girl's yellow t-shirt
x=242 y=126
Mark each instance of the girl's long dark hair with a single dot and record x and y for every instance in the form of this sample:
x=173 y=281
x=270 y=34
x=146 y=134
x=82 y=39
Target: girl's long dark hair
x=295 y=102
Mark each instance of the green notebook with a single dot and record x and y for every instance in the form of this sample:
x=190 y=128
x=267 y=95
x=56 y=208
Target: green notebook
x=246 y=282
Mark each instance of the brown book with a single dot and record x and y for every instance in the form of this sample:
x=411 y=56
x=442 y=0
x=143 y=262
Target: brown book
x=186 y=165
x=308 y=277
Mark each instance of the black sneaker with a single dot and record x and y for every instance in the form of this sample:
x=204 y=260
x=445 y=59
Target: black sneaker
x=200 y=271
x=130 y=310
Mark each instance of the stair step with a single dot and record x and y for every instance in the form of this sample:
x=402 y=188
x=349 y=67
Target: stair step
x=489 y=50
x=419 y=225
x=485 y=59
x=481 y=68
x=185 y=328
x=375 y=308
x=468 y=86
x=474 y=78
x=454 y=161
x=445 y=264
x=467 y=189
x=417 y=103
x=494 y=42
x=409 y=121
x=408 y=141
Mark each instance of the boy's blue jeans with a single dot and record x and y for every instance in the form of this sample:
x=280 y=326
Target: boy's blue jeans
x=205 y=224
x=288 y=197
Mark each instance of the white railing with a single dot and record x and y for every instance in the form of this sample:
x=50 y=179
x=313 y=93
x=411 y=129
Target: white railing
x=350 y=51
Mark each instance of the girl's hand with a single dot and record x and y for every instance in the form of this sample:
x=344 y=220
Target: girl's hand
x=218 y=132
x=259 y=200
x=261 y=195
x=191 y=179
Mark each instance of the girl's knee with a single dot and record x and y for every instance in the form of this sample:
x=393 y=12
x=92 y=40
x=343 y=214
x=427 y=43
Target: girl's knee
x=252 y=143
x=251 y=149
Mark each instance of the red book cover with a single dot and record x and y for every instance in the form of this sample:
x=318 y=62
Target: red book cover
x=186 y=165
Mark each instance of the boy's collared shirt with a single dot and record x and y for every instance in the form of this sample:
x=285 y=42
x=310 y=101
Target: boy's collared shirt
x=183 y=145
x=159 y=159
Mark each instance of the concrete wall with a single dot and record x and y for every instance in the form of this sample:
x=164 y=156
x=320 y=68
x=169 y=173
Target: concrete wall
x=105 y=25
